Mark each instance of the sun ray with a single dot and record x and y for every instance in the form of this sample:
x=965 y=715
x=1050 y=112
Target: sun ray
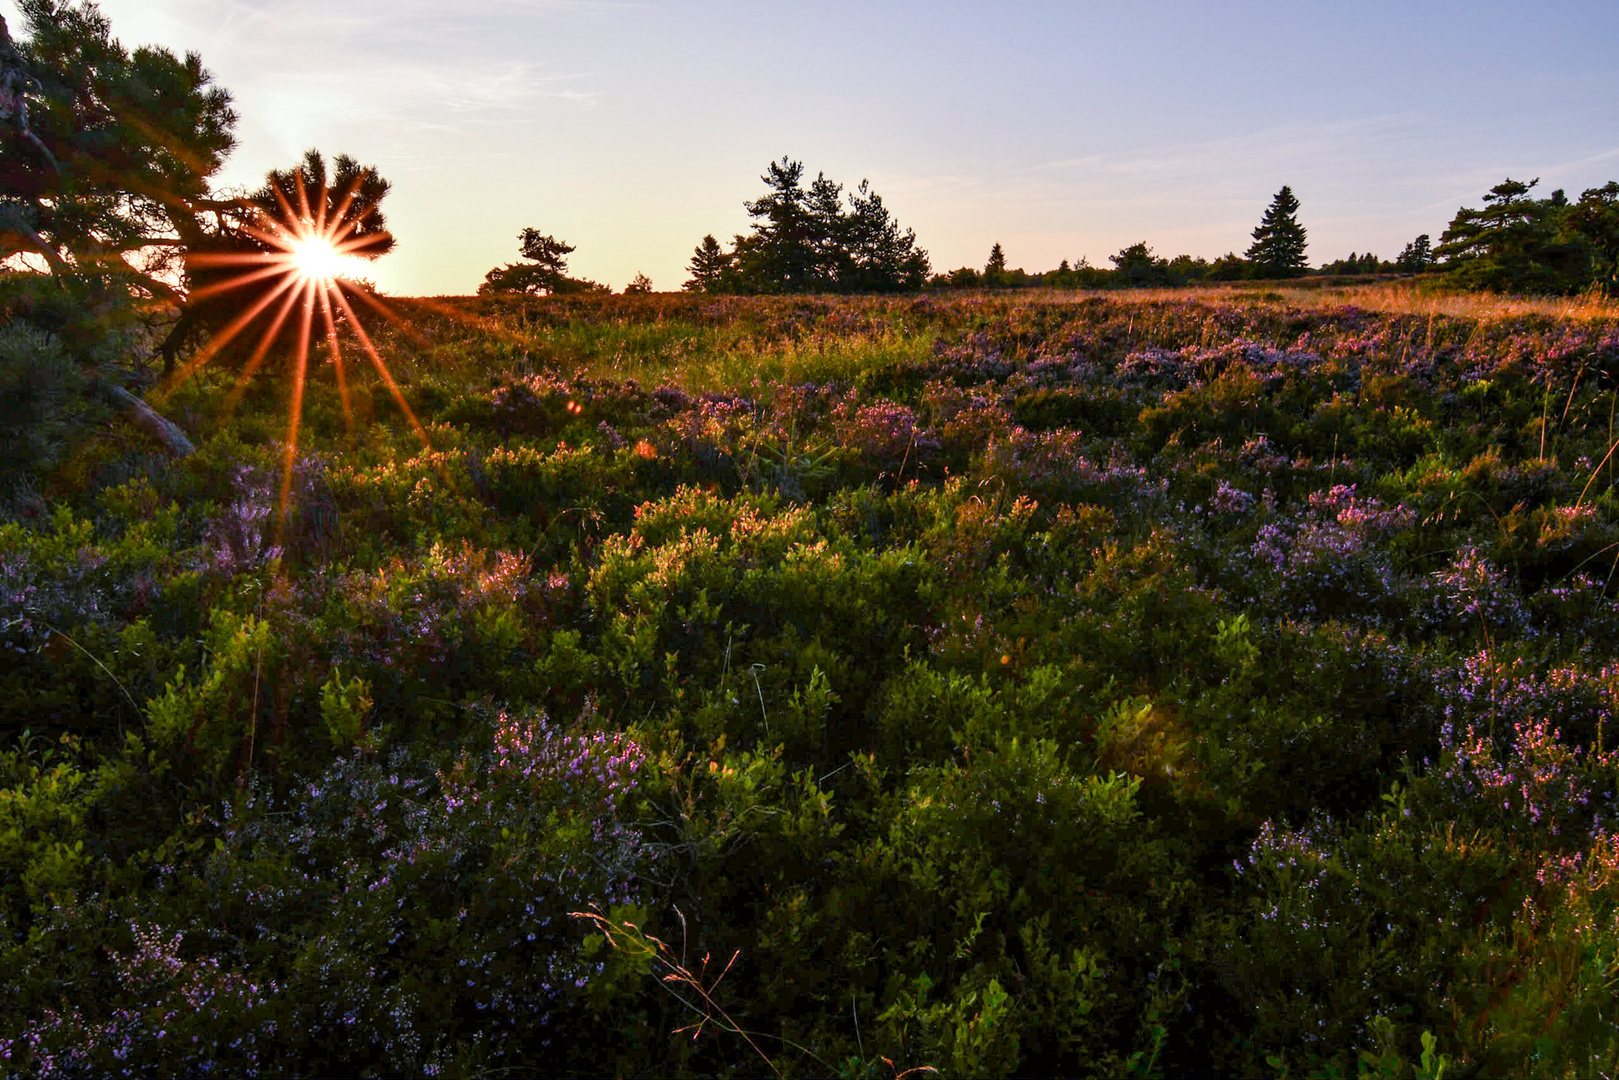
x=295 y=412
x=220 y=340
x=405 y=325
x=257 y=359
x=277 y=236
x=287 y=212
x=382 y=369
x=203 y=258
x=319 y=214
x=490 y=326
x=345 y=224
x=237 y=282
x=337 y=356
x=303 y=197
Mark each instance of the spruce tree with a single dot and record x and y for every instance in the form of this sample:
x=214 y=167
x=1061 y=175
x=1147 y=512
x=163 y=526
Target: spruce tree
x=707 y=267
x=997 y=261
x=1279 y=240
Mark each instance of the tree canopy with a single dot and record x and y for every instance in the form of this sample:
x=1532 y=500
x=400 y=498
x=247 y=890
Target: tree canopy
x=1518 y=243
x=1595 y=221
x=544 y=272
x=106 y=161
x=812 y=239
x=136 y=136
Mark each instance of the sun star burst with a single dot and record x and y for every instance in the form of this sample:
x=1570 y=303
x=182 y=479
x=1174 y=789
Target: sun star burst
x=316 y=258
x=309 y=258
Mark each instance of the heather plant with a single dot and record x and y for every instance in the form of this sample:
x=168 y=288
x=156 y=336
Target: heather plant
x=176 y=1013
x=1172 y=683
x=351 y=880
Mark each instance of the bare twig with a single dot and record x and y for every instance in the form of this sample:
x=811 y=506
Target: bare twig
x=677 y=974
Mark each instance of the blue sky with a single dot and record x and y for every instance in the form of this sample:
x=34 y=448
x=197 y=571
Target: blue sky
x=1059 y=129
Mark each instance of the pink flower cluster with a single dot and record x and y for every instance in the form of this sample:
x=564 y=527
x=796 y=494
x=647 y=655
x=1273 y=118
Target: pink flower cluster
x=587 y=769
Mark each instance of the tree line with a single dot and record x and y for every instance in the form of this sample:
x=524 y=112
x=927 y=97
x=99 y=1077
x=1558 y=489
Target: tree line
x=803 y=241
x=1277 y=252
x=1518 y=243
x=814 y=238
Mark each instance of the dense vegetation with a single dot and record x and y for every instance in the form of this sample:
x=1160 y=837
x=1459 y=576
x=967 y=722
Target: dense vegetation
x=1518 y=243
x=1166 y=684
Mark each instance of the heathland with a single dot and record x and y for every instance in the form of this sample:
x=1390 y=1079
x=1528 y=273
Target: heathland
x=1154 y=683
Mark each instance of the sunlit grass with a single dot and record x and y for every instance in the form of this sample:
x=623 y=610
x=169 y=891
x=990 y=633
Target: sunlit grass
x=813 y=358
x=1393 y=298
x=522 y=336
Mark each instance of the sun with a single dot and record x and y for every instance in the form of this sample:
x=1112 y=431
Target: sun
x=316 y=259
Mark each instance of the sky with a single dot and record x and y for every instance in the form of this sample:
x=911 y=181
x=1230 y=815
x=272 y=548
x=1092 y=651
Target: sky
x=1060 y=130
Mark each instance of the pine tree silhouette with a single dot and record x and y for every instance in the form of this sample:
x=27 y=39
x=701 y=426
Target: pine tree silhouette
x=1279 y=240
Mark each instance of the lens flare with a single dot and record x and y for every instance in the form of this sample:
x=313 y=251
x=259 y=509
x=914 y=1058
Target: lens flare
x=309 y=259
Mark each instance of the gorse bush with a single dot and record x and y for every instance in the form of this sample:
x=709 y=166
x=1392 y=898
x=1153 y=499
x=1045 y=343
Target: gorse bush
x=1158 y=686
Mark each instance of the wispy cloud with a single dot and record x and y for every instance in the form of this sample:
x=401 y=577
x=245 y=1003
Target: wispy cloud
x=375 y=60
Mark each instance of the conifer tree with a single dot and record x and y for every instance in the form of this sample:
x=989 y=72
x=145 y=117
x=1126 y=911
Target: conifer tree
x=1595 y=219
x=1508 y=245
x=1417 y=256
x=708 y=265
x=875 y=255
x=826 y=229
x=784 y=260
x=112 y=176
x=545 y=272
x=1279 y=239
x=106 y=161
x=815 y=239
x=997 y=261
